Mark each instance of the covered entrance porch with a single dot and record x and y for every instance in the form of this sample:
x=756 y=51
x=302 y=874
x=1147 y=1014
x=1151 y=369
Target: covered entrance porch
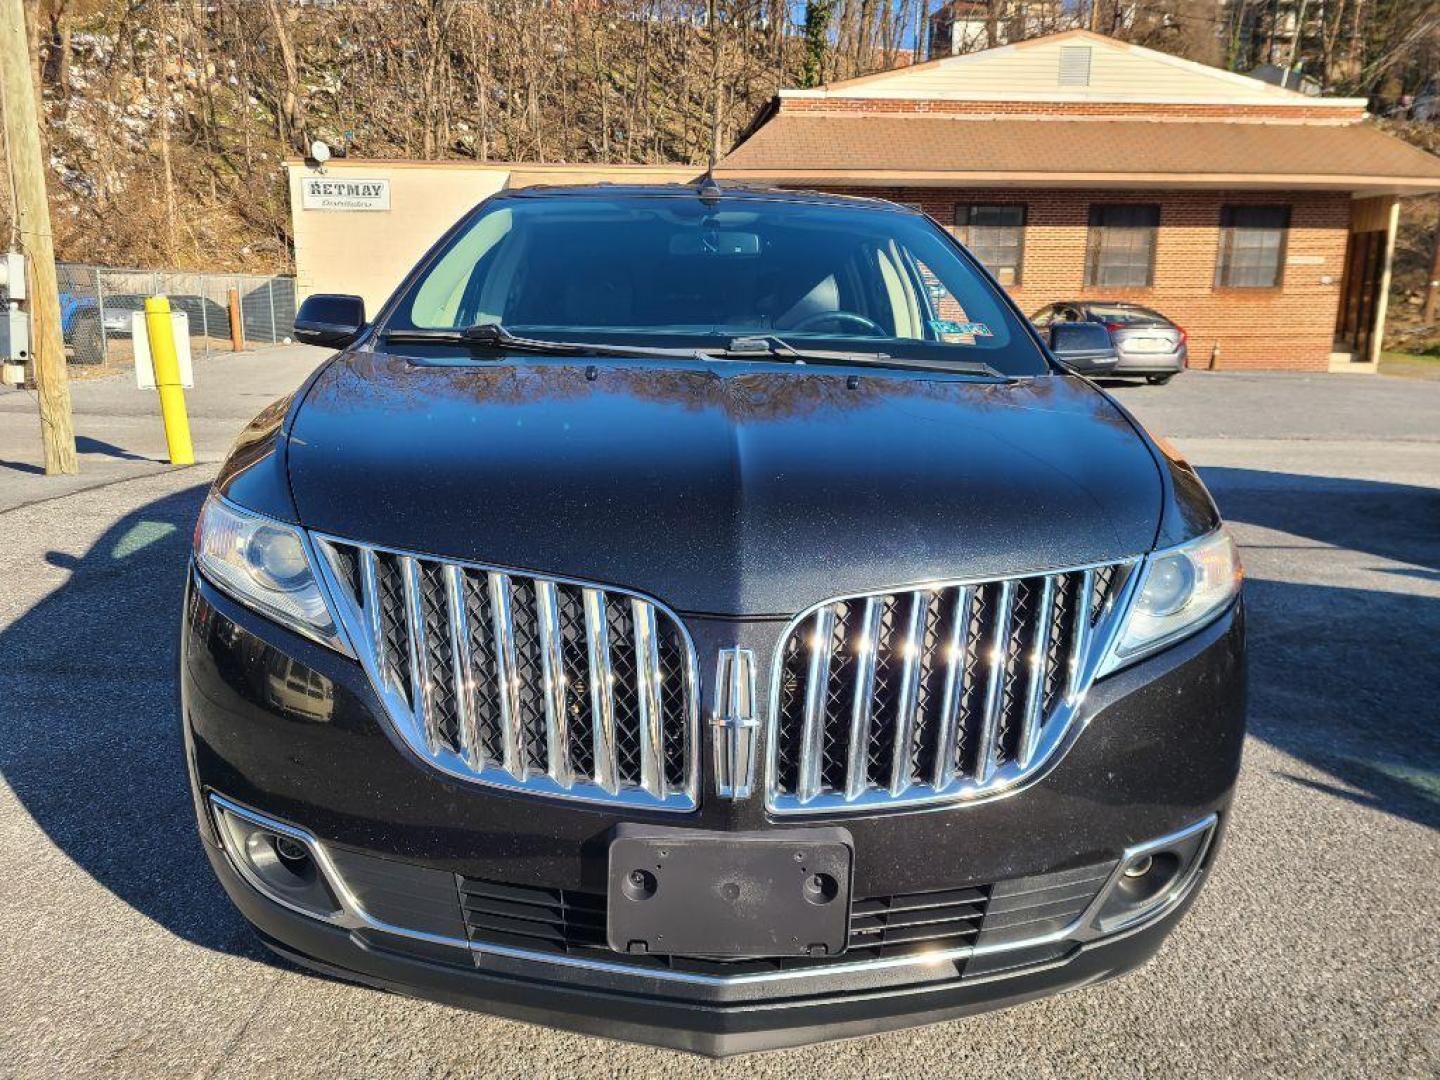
x=1365 y=284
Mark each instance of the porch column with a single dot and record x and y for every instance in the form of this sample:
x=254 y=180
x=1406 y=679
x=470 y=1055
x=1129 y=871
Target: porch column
x=1382 y=302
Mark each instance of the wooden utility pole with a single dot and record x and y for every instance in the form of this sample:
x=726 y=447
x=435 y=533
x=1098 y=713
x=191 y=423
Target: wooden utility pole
x=32 y=217
x=714 y=89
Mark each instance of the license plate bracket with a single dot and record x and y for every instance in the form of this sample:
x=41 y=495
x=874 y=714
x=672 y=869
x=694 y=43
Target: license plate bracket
x=729 y=895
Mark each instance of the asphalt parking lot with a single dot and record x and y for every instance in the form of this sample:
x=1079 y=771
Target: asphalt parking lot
x=1314 y=950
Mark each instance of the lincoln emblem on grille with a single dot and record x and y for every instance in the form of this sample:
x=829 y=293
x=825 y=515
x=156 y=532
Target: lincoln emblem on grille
x=734 y=725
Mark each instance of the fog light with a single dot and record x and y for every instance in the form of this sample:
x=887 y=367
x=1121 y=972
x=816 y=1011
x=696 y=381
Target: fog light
x=1153 y=877
x=277 y=860
x=1139 y=869
x=291 y=851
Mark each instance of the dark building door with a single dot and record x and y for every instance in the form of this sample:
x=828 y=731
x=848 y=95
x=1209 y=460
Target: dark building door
x=1360 y=291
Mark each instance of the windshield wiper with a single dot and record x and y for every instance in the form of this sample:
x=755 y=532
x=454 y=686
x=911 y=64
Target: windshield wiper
x=495 y=336
x=767 y=346
x=772 y=347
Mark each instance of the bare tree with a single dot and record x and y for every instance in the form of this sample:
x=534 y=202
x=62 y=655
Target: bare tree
x=190 y=105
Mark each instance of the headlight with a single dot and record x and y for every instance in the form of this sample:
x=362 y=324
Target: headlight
x=266 y=566
x=1179 y=591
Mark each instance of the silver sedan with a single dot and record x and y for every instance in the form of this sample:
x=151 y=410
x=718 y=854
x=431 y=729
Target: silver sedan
x=1148 y=344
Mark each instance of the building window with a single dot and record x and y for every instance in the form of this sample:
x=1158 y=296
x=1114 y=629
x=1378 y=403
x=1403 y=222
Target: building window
x=1120 y=249
x=1252 y=246
x=995 y=234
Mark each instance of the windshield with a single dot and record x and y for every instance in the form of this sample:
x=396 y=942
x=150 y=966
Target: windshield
x=678 y=271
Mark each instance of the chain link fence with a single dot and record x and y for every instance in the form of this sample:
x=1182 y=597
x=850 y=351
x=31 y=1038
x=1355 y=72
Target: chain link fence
x=96 y=303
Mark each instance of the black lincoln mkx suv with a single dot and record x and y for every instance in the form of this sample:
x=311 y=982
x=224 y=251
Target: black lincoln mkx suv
x=707 y=617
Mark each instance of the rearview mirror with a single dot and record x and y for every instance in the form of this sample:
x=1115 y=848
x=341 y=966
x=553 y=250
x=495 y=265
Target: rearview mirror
x=332 y=319
x=715 y=242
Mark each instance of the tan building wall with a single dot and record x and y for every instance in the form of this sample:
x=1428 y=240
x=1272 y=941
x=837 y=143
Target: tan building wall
x=368 y=252
x=1071 y=66
x=1289 y=327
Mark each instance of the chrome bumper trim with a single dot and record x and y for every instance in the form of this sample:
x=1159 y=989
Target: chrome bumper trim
x=1080 y=932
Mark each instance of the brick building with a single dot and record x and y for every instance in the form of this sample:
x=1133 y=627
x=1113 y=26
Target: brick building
x=1076 y=166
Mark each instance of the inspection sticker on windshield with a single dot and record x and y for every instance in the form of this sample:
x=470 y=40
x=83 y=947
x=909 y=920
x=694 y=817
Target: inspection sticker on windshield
x=970 y=329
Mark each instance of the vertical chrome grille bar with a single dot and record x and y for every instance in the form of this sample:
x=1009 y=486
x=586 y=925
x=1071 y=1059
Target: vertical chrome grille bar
x=507 y=683
x=602 y=690
x=995 y=688
x=647 y=678
x=911 y=649
x=812 y=736
x=1080 y=644
x=954 y=691
x=1035 y=695
x=858 y=753
x=555 y=713
x=552 y=673
x=370 y=592
x=421 y=703
x=462 y=661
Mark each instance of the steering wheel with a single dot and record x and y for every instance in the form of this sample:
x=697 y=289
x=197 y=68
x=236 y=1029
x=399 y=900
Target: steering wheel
x=852 y=317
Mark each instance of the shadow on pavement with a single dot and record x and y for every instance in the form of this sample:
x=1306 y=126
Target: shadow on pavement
x=1344 y=678
x=1395 y=521
x=22 y=466
x=1341 y=679
x=86 y=445
x=89 y=736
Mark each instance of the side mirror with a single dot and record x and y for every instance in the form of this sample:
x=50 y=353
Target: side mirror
x=1079 y=336
x=332 y=319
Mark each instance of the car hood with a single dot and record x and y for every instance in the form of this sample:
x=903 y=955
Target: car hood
x=721 y=487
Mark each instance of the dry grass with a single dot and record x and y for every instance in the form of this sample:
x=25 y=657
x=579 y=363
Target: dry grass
x=1410 y=365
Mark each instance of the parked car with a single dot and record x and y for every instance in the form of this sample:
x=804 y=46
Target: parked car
x=83 y=318
x=713 y=642
x=1147 y=343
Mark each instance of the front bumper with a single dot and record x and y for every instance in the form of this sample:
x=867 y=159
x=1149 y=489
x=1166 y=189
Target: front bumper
x=1141 y=363
x=292 y=731
x=622 y=1007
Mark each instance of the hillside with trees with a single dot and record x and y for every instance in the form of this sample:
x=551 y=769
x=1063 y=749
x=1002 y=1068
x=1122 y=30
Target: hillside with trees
x=168 y=122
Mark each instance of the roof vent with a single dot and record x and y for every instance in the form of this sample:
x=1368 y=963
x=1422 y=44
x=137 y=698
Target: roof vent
x=1075 y=65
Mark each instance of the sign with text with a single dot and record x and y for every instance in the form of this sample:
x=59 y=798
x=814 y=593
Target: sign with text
x=140 y=338
x=328 y=193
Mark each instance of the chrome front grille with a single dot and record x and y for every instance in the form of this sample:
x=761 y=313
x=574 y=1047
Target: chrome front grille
x=537 y=683
x=951 y=691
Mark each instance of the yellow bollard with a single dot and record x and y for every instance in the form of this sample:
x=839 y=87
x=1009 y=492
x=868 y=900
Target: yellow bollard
x=167 y=380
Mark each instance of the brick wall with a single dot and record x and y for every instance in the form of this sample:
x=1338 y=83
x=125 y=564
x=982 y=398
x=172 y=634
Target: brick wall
x=1289 y=327
x=1056 y=110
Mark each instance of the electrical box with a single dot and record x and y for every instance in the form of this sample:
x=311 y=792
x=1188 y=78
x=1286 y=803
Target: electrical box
x=140 y=338
x=12 y=275
x=14 y=345
x=14 y=336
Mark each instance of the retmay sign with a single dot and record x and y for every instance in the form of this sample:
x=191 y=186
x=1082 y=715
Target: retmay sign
x=325 y=193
